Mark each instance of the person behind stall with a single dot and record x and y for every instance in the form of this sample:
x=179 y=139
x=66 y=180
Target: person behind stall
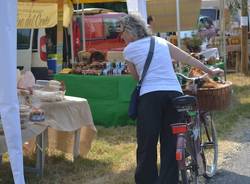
x=155 y=108
x=84 y=57
x=97 y=56
x=150 y=22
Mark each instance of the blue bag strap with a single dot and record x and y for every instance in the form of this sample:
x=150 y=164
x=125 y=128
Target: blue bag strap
x=148 y=60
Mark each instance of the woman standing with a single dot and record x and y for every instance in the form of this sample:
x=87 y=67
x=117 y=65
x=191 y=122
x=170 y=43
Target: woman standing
x=155 y=110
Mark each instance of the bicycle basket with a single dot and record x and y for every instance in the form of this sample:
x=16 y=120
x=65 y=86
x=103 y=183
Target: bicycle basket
x=213 y=99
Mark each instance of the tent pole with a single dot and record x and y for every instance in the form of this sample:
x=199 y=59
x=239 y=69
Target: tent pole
x=178 y=23
x=59 y=39
x=178 y=31
x=223 y=44
x=83 y=29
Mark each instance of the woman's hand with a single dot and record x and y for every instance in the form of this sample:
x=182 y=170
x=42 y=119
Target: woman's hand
x=216 y=72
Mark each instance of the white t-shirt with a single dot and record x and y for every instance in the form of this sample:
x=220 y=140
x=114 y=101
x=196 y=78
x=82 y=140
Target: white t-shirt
x=160 y=75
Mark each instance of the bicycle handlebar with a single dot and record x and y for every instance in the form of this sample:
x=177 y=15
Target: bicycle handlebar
x=192 y=78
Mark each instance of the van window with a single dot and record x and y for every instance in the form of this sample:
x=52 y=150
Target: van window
x=212 y=13
x=110 y=25
x=23 y=38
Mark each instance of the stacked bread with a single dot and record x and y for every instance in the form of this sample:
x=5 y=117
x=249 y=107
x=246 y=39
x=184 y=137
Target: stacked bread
x=24 y=113
x=49 y=91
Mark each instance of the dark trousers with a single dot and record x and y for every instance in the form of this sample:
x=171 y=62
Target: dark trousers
x=155 y=114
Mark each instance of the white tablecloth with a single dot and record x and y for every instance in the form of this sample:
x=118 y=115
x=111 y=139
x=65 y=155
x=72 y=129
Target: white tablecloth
x=71 y=127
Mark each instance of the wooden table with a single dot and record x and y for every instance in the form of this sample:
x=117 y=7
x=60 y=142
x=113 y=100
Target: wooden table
x=29 y=131
x=69 y=120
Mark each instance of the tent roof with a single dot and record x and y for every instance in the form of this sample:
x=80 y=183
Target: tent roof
x=45 y=9
x=74 y=1
x=96 y=1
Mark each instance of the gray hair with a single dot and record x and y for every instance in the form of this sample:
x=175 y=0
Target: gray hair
x=134 y=25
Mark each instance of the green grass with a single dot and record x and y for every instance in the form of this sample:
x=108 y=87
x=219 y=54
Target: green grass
x=225 y=120
x=111 y=159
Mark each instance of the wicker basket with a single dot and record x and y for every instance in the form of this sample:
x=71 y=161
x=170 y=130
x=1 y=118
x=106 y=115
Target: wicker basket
x=214 y=99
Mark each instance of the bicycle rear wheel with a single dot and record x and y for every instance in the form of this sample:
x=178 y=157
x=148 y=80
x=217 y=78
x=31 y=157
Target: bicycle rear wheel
x=209 y=144
x=188 y=178
x=189 y=174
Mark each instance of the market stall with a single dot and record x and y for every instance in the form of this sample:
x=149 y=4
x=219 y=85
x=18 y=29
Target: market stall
x=44 y=100
x=9 y=107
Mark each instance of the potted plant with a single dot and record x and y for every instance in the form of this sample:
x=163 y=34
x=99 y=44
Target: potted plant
x=193 y=43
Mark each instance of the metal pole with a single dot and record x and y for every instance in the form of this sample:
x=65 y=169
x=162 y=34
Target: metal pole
x=178 y=31
x=222 y=27
x=59 y=39
x=178 y=24
x=83 y=29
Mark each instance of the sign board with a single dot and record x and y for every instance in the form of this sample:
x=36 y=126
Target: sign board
x=36 y=15
x=164 y=14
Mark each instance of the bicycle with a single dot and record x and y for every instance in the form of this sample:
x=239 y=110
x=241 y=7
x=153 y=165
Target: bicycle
x=197 y=147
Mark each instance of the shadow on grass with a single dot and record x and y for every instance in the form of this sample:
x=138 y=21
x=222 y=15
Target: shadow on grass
x=57 y=170
x=228 y=177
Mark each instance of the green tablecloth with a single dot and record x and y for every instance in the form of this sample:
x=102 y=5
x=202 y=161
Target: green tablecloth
x=108 y=96
x=218 y=65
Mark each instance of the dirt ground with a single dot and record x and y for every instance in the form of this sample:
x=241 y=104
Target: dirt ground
x=234 y=156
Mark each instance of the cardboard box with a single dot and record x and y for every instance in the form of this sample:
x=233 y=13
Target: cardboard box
x=115 y=55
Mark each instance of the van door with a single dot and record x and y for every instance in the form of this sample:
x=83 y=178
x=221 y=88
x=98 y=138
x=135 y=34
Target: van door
x=24 y=56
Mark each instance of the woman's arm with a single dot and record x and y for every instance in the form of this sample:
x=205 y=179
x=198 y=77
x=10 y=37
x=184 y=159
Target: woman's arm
x=132 y=70
x=182 y=56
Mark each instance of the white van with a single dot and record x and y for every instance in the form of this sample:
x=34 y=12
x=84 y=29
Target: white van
x=34 y=46
x=211 y=9
x=31 y=50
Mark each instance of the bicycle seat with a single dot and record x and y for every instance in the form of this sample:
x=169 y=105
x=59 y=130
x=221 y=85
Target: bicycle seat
x=183 y=103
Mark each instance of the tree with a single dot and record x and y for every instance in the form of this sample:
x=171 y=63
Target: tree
x=233 y=6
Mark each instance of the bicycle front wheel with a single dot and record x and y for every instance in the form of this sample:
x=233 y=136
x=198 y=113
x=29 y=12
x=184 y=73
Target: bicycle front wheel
x=209 y=145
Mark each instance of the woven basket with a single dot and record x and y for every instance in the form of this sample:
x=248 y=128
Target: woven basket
x=214 y=99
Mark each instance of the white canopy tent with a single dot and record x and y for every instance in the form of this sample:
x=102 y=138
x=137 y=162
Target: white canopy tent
x=9 y=107
x=138 y=7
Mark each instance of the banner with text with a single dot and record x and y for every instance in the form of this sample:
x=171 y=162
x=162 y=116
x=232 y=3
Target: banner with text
x=36 y=15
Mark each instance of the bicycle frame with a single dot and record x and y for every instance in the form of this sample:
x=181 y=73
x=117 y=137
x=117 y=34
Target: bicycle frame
x=191 y=150
x=188 y=137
